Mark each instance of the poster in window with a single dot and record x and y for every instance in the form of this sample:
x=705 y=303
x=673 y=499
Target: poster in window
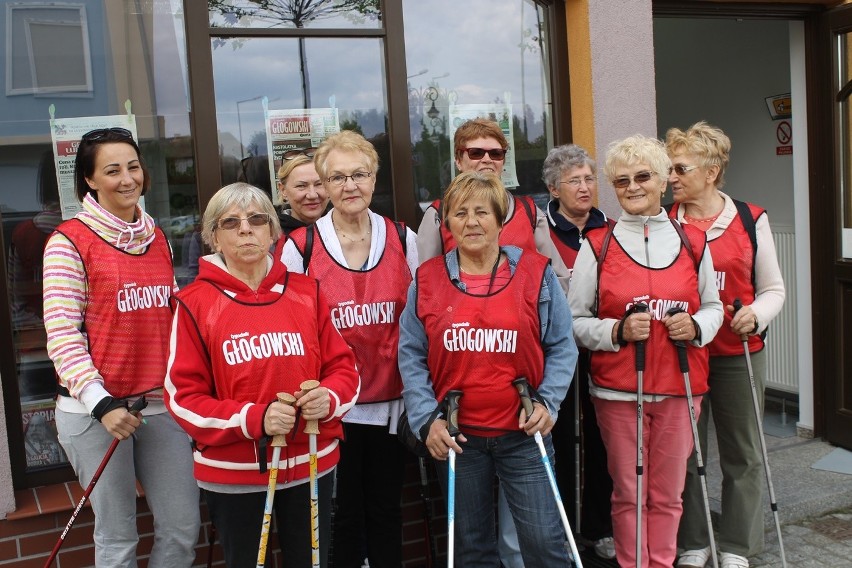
x=40 y=442
x=501 y=113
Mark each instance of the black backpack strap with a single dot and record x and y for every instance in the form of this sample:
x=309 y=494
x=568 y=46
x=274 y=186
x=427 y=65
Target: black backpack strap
x=685 y=240
x=747 y=220
x=525 y=201
x=601 y=257
x=309 y=248
x=400 y=230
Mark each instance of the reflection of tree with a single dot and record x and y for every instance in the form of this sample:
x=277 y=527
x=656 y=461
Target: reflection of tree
x=295 y=13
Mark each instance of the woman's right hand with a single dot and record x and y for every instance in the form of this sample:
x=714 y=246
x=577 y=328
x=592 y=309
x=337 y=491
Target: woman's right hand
x=637 y=327
x=120 y=423
x=439 y=440
x=279 y=419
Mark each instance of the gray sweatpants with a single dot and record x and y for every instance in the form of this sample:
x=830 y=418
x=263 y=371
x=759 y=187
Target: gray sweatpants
x=160 y=457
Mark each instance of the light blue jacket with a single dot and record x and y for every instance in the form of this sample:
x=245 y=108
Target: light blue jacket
x=557 y=342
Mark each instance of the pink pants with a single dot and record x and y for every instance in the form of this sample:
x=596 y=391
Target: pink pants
x=667 y=443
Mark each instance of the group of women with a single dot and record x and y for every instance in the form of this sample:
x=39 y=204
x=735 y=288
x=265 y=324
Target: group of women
x=386 y=320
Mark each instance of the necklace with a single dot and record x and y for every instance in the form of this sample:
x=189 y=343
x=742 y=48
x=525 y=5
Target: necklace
x=707 y=220
x=350 y=239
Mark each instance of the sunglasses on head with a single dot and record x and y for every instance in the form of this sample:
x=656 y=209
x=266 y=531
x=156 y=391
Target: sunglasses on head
x=640 y=178
x=231 y=223
x=290 y=154
x=98 y=134
x=479 y=153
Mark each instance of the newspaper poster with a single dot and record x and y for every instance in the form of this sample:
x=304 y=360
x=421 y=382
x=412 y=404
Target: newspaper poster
x=290 y=132
x=66 y=134
x=40 y=442
x=499 y=113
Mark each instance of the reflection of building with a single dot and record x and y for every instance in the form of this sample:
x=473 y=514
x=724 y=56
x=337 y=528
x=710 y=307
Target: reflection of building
x=609 y=53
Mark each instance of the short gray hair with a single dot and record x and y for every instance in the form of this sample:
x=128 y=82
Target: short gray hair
x=242 y=195
x=563 y=159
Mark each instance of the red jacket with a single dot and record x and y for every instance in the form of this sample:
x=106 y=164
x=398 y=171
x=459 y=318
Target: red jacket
x=233 y=349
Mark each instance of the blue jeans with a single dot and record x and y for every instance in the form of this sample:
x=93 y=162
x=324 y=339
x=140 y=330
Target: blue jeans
x=516 y=461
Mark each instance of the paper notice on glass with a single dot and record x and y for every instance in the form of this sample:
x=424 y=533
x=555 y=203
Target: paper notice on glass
x=499 y=113
x=291 y=132
x=66 y=134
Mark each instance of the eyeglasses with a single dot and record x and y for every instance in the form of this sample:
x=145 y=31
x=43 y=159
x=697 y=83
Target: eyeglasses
x=340 y=180
x=682 y=169
x=640 y=178
x=95 y=135
x=497 y=154
x=255 y=220
x=290 y=154
x=576 y=182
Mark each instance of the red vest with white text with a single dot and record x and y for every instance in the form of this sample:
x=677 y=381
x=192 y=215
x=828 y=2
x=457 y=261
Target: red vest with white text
x=518 y=230
x=733 y=259
x=128 y=316
x=624 y=282
x=480 y=344
x=365 y=308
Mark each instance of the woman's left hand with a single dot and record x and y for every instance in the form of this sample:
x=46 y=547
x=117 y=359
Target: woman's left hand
x=314 y=404
x=680 y=327
x=540 y=421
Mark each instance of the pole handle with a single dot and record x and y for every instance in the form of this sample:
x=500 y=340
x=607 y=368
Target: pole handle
x=452 y=401
x=682 y=358
x=311 y=426
x=640 y=308
x=523 y=388
x=738 y=305
x=279 y=440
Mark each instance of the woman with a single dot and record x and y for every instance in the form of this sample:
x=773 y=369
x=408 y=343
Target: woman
x=302 y=192
x=645 y=258
x=364 y=262
x=746 y=270
x=571 y=178
x=501 y=292
x=107 y=282
x=245 y=330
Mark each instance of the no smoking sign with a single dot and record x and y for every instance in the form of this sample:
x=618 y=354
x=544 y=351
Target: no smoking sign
x=784 y=134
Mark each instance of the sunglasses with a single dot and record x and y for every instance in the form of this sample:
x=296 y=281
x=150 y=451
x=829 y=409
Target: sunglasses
x=497 y=154
x=100 y=133
x=681 y=169
x=231 y=223
x=290 y=154
x=640 y=178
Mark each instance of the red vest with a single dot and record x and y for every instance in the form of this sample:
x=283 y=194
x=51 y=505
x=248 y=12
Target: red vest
x=518 y=230
x=365 y=308
x=568 y=254
x=624 y=282
x=128 y=317
x=480 y=344
x=733 y=259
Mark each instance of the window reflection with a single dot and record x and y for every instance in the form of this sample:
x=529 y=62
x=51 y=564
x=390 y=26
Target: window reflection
x=471 y=59
x=295 y=13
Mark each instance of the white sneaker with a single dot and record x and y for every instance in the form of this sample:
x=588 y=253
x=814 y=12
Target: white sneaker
x=733 y=560
x=694 y=558
x=605 y=547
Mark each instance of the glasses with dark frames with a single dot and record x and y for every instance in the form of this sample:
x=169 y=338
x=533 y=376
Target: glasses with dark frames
x=98 y=134
x=290 y=154
x=497 y=154
x=231 y=223
x=682 y=169
x=640 y=178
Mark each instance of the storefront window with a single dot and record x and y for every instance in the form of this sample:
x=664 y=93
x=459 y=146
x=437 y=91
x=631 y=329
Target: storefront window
x=109 y=55
x=486 y=53
x=358 y=14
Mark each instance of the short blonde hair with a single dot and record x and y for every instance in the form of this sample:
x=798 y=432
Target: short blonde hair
x=473 y=184
x=289 y=165
x=707 y=142
x=346 y=141
x=638 y=149
x=242 y=195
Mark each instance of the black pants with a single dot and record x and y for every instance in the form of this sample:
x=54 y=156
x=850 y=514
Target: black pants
x=369 y=490
x=238 y=518
x=596 y=518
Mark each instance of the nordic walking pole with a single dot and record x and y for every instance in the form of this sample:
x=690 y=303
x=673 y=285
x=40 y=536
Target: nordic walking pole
x=432 y=553
x=134 y=409
x=278 y=441
x=523 y=389
x=759 y=420
x=312 y=429
x=683 y=360
x=578 y=502
x=452 y=402
x=640 y=371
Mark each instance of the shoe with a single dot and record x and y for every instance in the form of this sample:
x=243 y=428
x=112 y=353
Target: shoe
x=605 y=547
x=694 y=558
x=729 y=560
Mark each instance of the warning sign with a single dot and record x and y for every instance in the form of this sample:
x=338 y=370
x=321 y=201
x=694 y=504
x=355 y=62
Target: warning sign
x=784 y=135
x=779 y=106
